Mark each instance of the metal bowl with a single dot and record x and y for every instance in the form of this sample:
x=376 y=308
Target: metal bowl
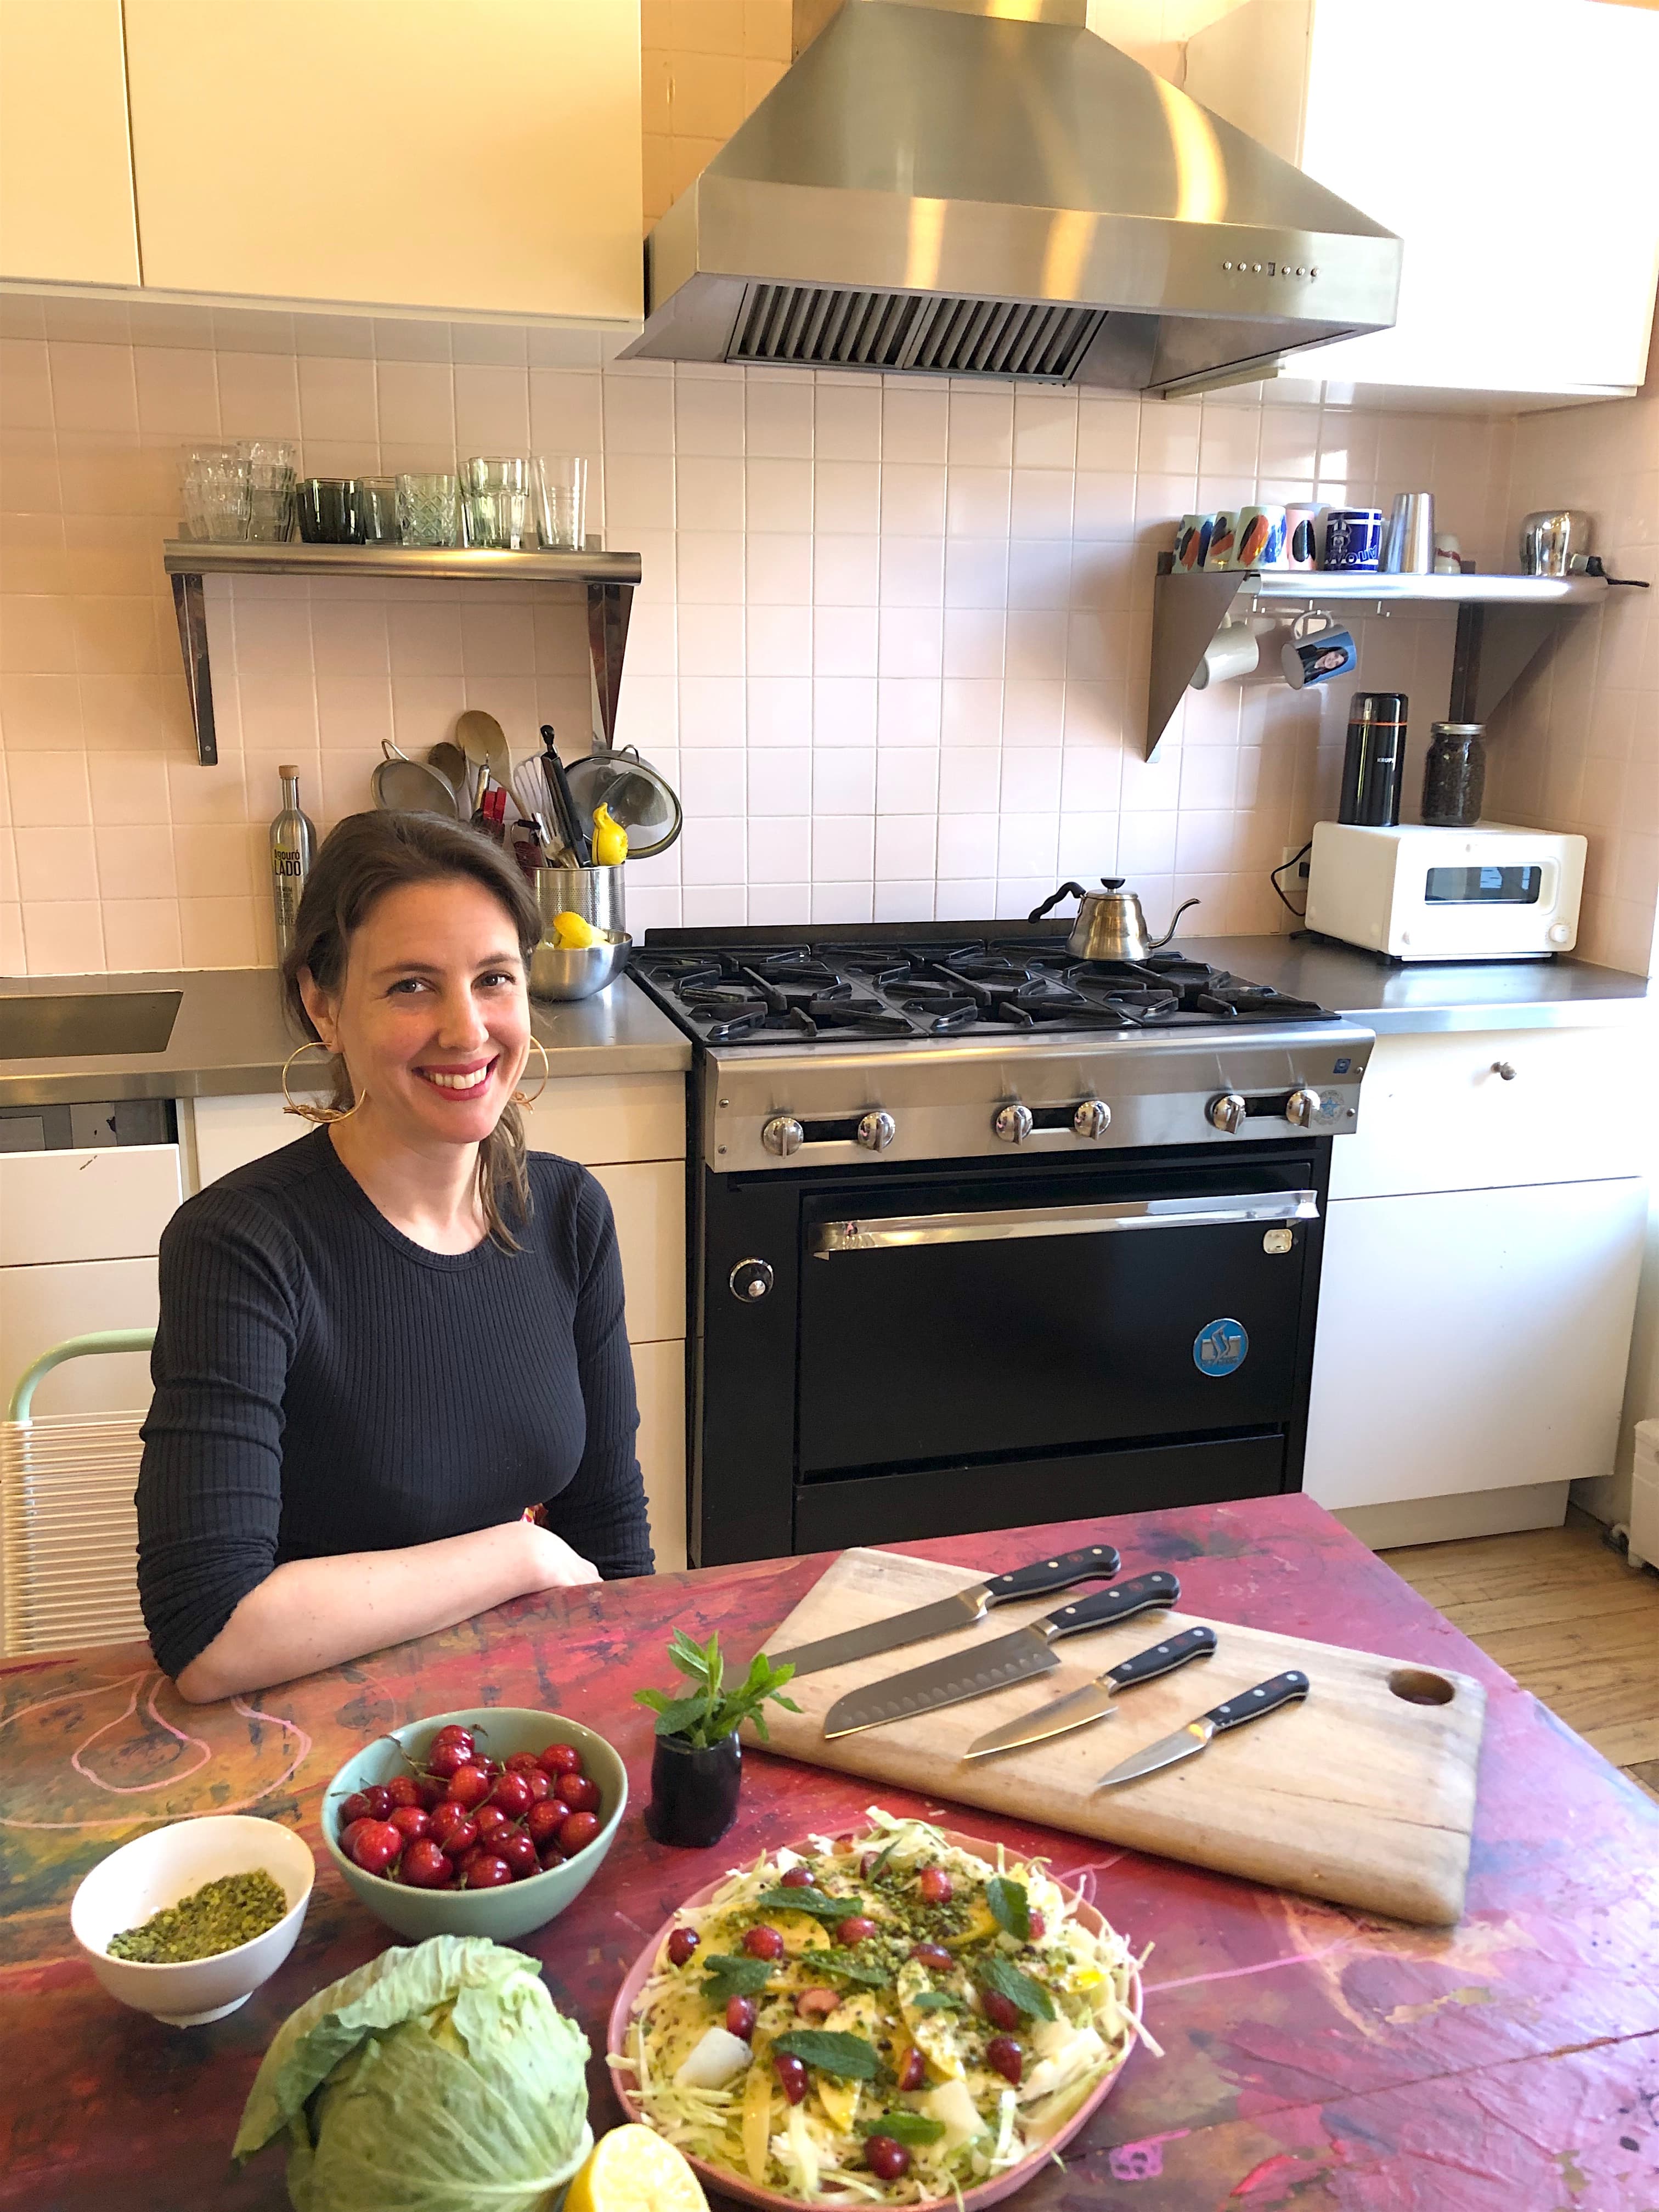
x=581 y=971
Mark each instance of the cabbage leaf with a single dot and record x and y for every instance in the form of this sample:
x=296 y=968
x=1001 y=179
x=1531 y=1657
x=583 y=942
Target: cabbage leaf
x=440 y=2079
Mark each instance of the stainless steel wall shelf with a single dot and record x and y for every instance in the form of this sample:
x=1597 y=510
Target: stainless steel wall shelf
x=608 y=578
x=1502 y=620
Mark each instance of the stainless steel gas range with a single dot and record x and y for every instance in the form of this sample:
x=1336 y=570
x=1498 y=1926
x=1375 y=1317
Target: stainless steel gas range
x=984 y=1234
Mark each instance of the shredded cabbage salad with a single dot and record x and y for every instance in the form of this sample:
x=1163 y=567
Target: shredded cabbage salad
x=869 y=2007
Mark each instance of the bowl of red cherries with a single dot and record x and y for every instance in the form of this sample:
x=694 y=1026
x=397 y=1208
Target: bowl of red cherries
x=479 y=1823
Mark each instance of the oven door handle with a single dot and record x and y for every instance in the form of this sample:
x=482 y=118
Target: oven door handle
x=895 y=1231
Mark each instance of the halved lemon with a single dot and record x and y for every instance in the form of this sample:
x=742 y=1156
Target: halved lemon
x=633 y=2170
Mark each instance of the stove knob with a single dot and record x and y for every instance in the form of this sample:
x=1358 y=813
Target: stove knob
x=750 y=1278
x=783 y=1135
x=877 y=1131
x=1011 y=1123
x=1092 y=1118
x=1301 y=1107
x=1227 y=1113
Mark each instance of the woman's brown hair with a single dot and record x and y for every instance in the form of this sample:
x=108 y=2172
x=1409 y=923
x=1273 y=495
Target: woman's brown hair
x=359 y=861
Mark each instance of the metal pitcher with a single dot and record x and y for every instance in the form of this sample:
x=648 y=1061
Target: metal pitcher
x=1109 y=923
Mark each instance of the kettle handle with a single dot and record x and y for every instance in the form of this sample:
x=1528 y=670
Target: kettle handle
x=1174 y=918
x=1066 y=890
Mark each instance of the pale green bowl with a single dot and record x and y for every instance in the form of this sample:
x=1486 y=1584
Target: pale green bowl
x=500 y=1914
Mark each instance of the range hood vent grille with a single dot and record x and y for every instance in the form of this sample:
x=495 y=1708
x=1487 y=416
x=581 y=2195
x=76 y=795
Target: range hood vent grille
x=939 y=334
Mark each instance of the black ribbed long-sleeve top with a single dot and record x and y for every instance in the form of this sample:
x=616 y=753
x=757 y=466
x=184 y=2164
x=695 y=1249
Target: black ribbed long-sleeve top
x=324 y=1385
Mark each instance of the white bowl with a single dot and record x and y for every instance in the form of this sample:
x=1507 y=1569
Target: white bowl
x=142 y=1877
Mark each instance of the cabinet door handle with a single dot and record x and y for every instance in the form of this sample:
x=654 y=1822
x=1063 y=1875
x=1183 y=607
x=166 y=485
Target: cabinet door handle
x=1503 y=1068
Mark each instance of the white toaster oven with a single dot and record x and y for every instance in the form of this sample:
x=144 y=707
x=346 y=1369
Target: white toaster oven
x=1486 y=893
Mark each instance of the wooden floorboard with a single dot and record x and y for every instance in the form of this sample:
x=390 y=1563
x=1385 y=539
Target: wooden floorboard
x=1568 y=1618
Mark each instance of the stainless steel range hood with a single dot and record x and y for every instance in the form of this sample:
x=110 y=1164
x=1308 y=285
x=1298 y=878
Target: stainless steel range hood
x=984 y=188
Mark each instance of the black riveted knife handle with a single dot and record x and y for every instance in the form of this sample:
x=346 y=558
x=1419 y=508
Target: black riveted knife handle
x=1266 y=1698
x=1163 y=1658
x=1121 y=1602
x=1098 y=1564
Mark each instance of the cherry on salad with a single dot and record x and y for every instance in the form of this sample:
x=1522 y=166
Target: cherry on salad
x=887 y=2159
x=681 y=1945
x=792 y=2074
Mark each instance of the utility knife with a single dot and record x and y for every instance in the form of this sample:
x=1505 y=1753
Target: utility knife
x=1248 y=1706
x=987 y=1667
x=1095 y=1700
x=1098 y=1563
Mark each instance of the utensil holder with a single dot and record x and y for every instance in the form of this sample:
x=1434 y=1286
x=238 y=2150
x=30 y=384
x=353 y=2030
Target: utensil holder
x=596 y=894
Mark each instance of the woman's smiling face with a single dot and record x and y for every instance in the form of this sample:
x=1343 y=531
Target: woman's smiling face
x=433 y=1018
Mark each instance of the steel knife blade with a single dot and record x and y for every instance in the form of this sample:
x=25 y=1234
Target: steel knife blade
x=975 y=1673
x=1095 y=1700
x=1095 y=1563
x=1248 y=1706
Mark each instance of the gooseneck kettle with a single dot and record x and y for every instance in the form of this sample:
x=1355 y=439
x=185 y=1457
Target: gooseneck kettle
x=1109 y=923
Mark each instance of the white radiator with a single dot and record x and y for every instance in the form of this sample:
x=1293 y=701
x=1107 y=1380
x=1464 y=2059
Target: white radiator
x=69 y=1533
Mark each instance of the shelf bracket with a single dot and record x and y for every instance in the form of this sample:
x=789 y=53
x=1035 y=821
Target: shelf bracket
x=190 y=607
x=608 y=606
x=1187 y=612
x=1495 y=645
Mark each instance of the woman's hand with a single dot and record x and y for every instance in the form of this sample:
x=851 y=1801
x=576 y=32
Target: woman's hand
x=552 y=1563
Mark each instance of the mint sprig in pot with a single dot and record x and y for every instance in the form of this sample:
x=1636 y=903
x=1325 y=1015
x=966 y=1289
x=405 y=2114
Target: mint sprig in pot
x=697 y=1766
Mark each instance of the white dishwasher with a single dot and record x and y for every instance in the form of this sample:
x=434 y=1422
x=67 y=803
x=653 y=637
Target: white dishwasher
x=85 y=1193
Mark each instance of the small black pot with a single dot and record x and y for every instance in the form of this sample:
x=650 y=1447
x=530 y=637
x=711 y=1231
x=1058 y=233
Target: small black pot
x=694 y=1794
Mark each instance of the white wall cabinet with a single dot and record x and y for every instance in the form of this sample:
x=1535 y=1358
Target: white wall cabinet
x=1460 y=124
x=39 y=1306
x=420 y=154
x=1483 y=1243
x=66 y=201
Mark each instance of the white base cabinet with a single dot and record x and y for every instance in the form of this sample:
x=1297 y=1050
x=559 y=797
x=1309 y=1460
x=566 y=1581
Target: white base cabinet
x=1483 y=1243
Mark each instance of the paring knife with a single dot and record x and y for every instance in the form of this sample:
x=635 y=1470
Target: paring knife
x=1248 y=1706
x=1099 y=1563
x=1095 y=1700
x=977 y=1672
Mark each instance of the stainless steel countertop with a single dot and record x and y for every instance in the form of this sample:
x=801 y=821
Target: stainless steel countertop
x=231 y=1038
x=1395 y=1000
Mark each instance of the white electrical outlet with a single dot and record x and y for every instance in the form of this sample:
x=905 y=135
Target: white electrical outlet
x=1291 y=853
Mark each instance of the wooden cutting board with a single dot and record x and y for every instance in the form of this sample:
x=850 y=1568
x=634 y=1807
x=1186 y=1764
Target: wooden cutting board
x=1358 y=1794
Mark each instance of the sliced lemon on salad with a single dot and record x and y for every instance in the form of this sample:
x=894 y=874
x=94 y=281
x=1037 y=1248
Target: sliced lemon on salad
x=633 y=2170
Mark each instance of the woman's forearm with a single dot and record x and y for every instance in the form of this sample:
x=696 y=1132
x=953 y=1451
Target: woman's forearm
x=311 y=1614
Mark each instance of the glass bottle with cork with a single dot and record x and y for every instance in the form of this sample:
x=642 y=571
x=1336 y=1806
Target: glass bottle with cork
x=293 y=843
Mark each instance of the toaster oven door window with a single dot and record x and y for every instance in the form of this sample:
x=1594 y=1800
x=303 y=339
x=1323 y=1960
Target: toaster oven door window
x=1483 y=886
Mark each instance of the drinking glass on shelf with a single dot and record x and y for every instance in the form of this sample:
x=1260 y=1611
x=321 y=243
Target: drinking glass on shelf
x=213 y=494
x=562 y=501
x=331 y=510
x=496 y=502
x=272 y=476
x=428 y=510
x=380 y=504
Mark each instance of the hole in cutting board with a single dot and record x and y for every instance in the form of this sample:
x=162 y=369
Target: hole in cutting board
x=1418 y=1687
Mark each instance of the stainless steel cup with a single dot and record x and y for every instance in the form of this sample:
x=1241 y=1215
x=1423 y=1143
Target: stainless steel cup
x=1408 y=542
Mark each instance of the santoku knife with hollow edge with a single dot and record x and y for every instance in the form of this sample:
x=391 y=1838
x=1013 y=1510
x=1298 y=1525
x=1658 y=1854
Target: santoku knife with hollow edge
x=1248 y=1706
x=1098 y=1563
x=983 y=1668
x=1095 y=1700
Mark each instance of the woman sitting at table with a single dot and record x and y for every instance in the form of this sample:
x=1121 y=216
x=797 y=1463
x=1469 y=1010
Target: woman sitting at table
x=382 y=1343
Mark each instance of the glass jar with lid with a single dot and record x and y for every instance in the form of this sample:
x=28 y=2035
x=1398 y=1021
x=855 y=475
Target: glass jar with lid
x=1455 y=776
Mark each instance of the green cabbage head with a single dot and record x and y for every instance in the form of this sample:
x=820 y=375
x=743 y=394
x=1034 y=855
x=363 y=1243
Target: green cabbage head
x=441 y=2079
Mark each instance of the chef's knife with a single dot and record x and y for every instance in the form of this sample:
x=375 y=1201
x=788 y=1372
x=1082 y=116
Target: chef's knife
x=1248 y=1706
x=977 y=1672
x=1095 y=1700
x=1098 y=1563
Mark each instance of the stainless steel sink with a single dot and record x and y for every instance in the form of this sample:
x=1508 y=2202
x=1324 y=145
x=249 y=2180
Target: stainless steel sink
x=89 y=1025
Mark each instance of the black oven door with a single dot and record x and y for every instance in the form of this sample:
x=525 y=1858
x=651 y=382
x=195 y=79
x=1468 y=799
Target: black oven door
x=1047 y=1321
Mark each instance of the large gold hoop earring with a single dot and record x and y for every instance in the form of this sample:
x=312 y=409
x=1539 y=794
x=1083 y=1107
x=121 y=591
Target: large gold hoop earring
x=519 y=1097
x=323 y=1115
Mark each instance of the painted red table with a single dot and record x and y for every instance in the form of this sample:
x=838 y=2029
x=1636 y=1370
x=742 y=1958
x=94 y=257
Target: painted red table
x=1313 y=2056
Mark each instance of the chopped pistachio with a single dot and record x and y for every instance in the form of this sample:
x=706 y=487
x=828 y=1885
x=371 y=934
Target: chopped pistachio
x=216 y=1918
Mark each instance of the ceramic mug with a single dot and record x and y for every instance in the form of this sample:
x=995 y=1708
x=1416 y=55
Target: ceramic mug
x=1319 y=650
x=1193 y=541
x=1233 y=651
x=1261 y=537
x=1222 y=551
x=1301 y=536
x=1353 y=538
